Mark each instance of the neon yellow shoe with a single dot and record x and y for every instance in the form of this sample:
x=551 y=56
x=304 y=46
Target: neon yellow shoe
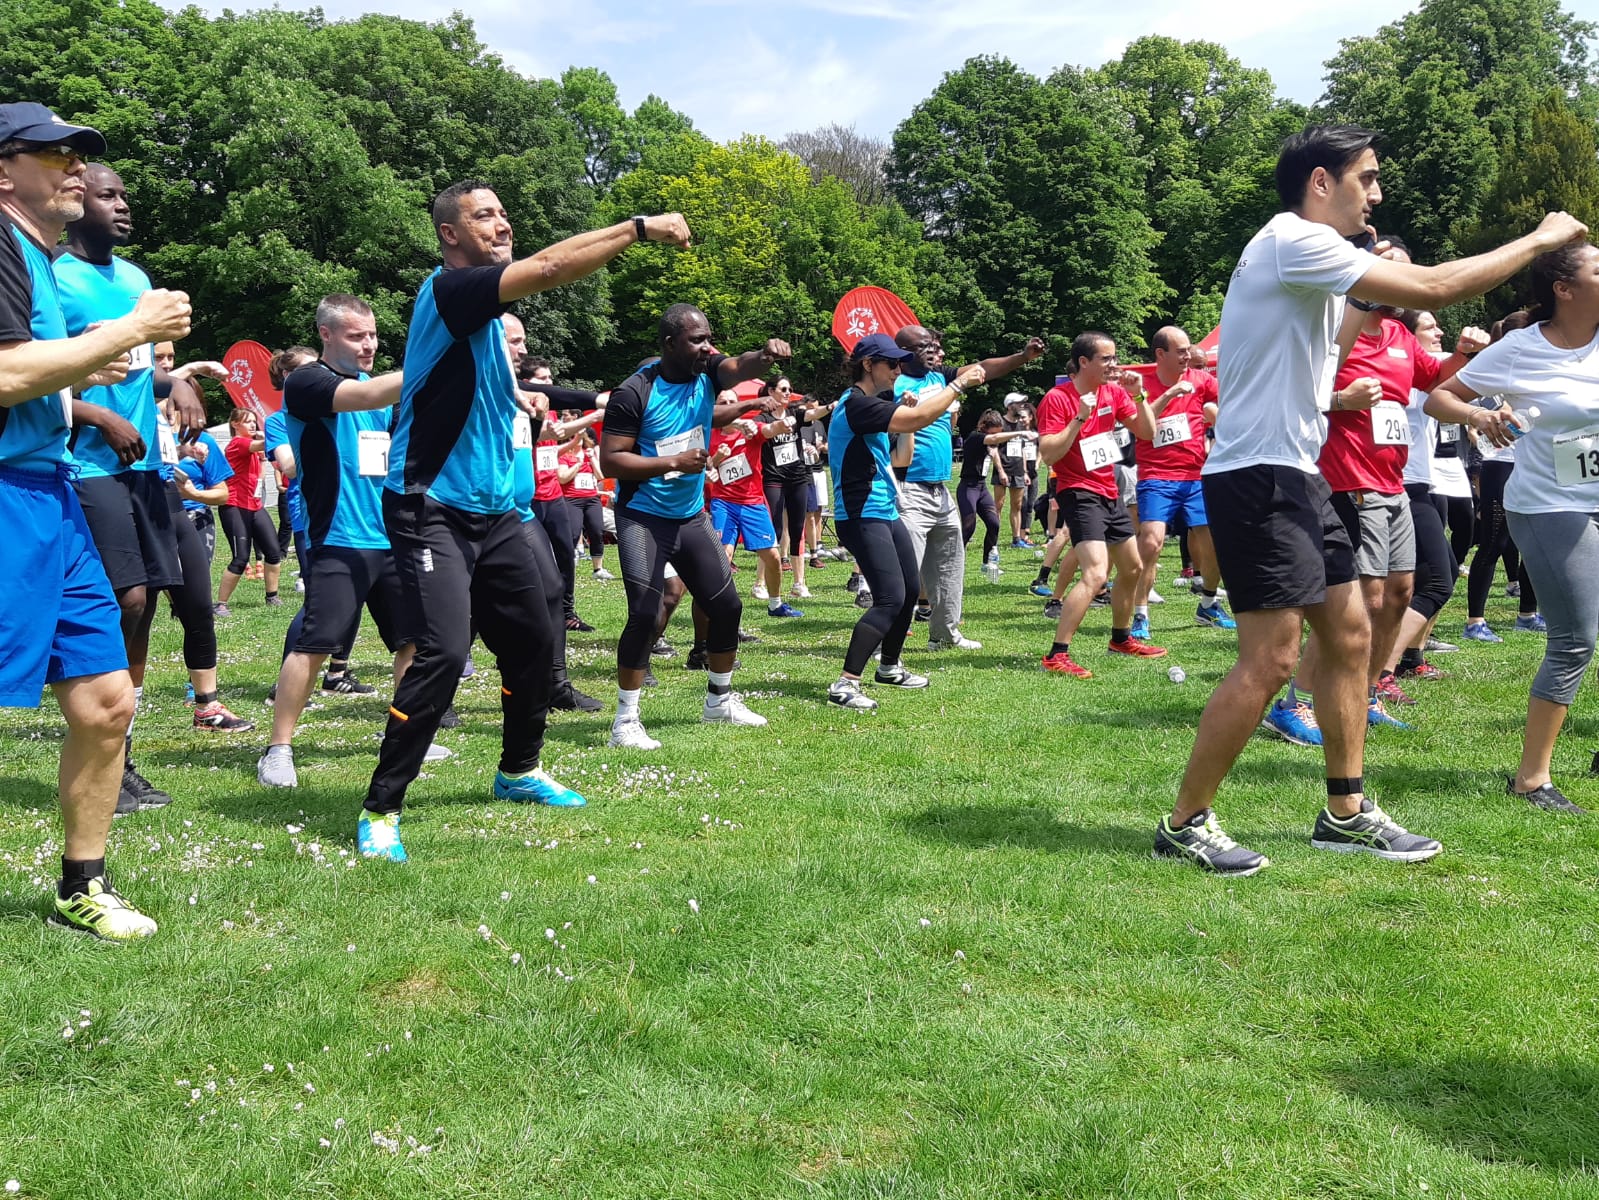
x=103 y=911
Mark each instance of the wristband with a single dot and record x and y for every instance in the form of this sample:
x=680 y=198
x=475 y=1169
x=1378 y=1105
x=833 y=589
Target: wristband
x=1362 y=305
x=638 y=228
x=957 y=389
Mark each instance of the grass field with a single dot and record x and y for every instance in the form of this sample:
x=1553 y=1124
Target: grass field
x=921 y=953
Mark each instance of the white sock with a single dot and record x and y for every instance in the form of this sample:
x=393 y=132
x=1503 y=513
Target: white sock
x=626 y=704
x=774 y=604
x=1141 y=610
x=719 y=685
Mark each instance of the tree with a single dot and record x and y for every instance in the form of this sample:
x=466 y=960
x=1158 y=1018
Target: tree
x=839 y=151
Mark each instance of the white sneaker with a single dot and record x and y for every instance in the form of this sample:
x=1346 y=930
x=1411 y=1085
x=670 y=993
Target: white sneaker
x=800 y=592
x=729 y=710
x=759 y=592
x=276 y=768
x=299 y=586
x=630 y=735
x=603 y=575
x=437 y=753
x=959 y=642
x=846 y=693
x=1155 y=597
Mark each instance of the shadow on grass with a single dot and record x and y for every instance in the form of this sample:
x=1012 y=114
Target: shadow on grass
x=1031 y=828
x=1538 y=1113
x=27 y=794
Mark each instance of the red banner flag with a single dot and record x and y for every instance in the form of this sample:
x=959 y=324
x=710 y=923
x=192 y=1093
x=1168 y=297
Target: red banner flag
x=247 y=381
x=869 y=310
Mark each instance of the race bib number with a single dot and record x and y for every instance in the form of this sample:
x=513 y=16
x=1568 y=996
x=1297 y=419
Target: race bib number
x=1122 y=436
x=522 y=432
x=988 y=466
x=1029 y=451
x=1448 y=435
x=682 y=443
x=169 y=444
x=1173 y=430
x=583 y=481
x=785 y=454
x=141 y=358
x=372 y=453
x=1099 y=451
x=65 y=396
x=545 y=458
x=1013 y=448
x=734 y=469
x=1577 y=457
x=1389 y=425
x=260 y=486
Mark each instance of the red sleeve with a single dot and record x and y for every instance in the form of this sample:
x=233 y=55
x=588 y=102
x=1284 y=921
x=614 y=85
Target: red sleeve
x=1206 y=388
x=1052 y=415
x=238 y=452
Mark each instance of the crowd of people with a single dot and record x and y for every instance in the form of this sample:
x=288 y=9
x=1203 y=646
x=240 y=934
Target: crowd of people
x=1316 y=477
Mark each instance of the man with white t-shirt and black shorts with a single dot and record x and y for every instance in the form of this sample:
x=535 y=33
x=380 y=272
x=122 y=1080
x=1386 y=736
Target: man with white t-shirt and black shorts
x=1285 y=554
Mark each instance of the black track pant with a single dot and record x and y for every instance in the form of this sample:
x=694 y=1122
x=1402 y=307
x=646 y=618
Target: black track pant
x=455 y=568
x=538 y=542
x=244 y=527
x=191 y=599
x=974 y=501
x=1493 y=536
x=1436 y=567
x=787 y=499
x=587 y=516
x=886 y=556
x=556 y=519
x=645 y=543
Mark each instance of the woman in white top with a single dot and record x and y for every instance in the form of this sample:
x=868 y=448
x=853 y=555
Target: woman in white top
x=1550 y=372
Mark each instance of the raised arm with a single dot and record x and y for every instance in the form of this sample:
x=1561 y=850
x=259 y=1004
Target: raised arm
x=584 y=253
x=365 y=395
x=37 y=368
x=1405 y=285
x=994 y=368
x=908 y=418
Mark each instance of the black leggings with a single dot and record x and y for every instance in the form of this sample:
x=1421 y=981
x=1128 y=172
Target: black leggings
x=975 y=500
x=885 y=555
x=242 y=527
x=1493 y=536
x=645 y=543
x=789 y=498
x=191 y=599
x=587 y=517
x=1436 y=566
x=1461 y=518
x=552 y=514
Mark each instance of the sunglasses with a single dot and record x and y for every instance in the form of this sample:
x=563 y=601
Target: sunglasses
x=59 y=156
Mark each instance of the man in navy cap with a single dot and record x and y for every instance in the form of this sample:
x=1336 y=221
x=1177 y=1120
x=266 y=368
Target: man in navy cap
x=58 y=618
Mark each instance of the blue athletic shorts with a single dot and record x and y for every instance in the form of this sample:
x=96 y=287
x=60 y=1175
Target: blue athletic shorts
x=1159 y=499
x=58 y=619
x=751 y=521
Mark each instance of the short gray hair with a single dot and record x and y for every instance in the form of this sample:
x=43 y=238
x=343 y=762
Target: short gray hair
x=339 y=307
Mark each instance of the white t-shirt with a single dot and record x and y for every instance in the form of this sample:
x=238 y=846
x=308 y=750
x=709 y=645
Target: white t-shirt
x=1557 y=462
x=1276 y=355
x=1423 y=436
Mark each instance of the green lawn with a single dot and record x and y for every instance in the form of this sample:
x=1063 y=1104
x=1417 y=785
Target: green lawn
x=921 y=953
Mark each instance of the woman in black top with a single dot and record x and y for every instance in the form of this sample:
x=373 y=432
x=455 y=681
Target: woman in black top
x=785 y=475
x=978 y=456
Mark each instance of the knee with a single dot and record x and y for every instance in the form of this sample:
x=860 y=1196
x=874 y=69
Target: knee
x=110 y=711
x=1094 y=577
x=132 y=601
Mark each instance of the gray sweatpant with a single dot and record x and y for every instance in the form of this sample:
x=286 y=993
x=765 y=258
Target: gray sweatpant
x=934 y=523
x=1561 y=554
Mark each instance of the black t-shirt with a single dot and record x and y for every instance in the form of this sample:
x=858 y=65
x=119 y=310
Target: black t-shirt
x=974 y=456
x=782 y=460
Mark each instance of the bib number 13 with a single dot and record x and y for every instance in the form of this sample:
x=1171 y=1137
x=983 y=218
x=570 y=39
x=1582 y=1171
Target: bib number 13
x=1577 y=458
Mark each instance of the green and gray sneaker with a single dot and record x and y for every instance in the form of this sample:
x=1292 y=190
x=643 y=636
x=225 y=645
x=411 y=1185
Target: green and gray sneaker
x=1371 y=831
x=101 y=910
x=1202 y=842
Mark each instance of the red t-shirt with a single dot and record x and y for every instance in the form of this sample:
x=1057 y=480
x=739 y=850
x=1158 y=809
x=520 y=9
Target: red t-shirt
x=586 y=482
x=546 y=481
x=1178 y=451
x=743 y=465
x=244 y=489
x=1094 y=441
x=1367 y=451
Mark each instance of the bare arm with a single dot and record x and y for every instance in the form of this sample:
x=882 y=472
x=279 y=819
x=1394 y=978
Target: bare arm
x=1143 y=422
x=365 y=395
x=752 y=364
x=585 y=253
x=994 y=368
x=620 y=459
x=283 y=459
x=1450 y=402
x=1405 y=285
x=908 y=419
x=119 y=434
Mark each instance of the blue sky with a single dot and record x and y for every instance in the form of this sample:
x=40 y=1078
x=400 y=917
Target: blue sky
x=739 y=66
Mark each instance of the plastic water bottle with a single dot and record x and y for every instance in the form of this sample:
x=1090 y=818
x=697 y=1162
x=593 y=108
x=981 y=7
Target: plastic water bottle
x=1521 y=420
x=991 y=566
x=1176 y=674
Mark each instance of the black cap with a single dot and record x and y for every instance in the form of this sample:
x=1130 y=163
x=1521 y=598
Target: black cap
x=30 y=122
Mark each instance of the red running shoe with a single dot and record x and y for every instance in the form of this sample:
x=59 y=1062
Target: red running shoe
x=1389 y=691
x=1425 y=671
x=1062 y=664
x=1138 y=649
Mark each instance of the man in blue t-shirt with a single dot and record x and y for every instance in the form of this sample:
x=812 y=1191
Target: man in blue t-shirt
x=448 y=503
x=58 y=618
x=657 y=432
x=927 y=508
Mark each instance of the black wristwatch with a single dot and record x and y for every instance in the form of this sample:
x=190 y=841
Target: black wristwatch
x=638 y=227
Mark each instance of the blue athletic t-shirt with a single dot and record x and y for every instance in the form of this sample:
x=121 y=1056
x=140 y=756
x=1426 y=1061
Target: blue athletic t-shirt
x=33 y=434
x=276 y=433
x=343 y=459
x=214 y=470
x=858 y=456
x=664 y=419
x=452 y=427
x=932 y=459
x=89 y=293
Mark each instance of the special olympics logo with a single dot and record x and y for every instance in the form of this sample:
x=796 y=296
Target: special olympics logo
x=240 y=372
x=859 y=322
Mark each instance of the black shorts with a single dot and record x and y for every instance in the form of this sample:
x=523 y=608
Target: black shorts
x=339 y=581
x=131 y=524
x=1091 y=517
x=1279 y=542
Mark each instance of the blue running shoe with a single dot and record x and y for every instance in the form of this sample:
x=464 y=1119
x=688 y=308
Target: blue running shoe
x=784 y=609
x=1215 y=616
x=1531 y=623
x=1294 y=723
x=1042 y=589
x=377 y=835
x=536 y=787
x=1140 y=629
x=1478 y=631
x=1377 y=715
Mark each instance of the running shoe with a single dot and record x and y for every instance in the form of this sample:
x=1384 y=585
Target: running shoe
x=1202 y=842
x=1041 y=589
x=817 y=562
x=760 y=593
x=436 y=753
x=1531 y=623
x=576 y=624
x=746 y=638
x=1136 y=649
x=784 y=609
x=346 y=684
x=1102 y=600
x=299 y=586
x=535 y=787
x=1434 y=646
x=221 y=610
x=276 y=768
x=450 y=719
x=216 y=716
x=728 y=709
x=468 y=668
x=1424 y=671
x=569 y=699
x=663 y=649
x=1478 y=631
x=103 y=911
x=846 y=693
x=854 y=583
x=274 y=601
x=1018 y=544
x=924 y=613
x=1294 y=723
x=958 y=642
x=800 y=592
x=1545 y=796
x=377 y=835
x=603 y=575
x=863 y=598
x=1513 y=589
x=630 y=735
x=1062 y=664
x=138 y=793
x=1371 y=831
x=1389 y=691
x=787 y=564
x=1215 y=616
x=1155 y=597
x=698 y=659
x=897 y=676
x=1140 y=628
x=1052 y=609
x=1377 y=715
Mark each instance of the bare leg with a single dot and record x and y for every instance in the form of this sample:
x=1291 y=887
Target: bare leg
x=1342 y=630
x=1095 y=560
x=295 y=680
x=225 y=588
x=1151 y=537
x=1388 y=600
x=1544 y=719
x=97 y=709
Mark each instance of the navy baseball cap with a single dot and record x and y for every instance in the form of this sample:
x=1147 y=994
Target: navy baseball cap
x=879 y=345
x=30 y=122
